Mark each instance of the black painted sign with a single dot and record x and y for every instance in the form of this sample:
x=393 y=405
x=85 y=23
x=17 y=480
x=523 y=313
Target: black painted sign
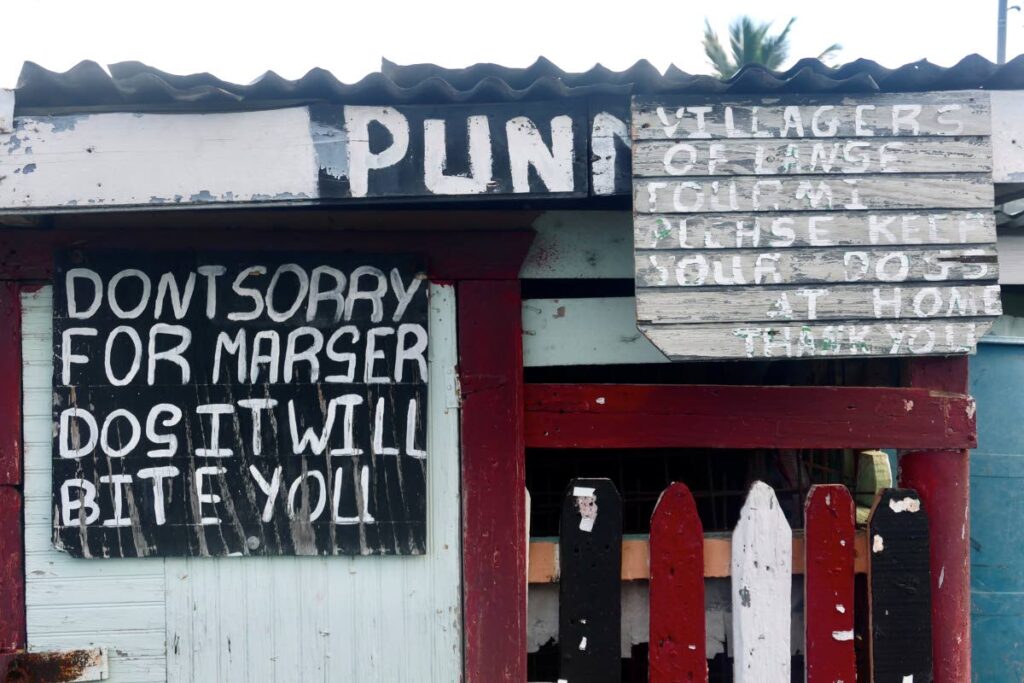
x=568 y=148
x=239 y=404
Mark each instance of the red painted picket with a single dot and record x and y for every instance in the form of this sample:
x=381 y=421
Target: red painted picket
x=677 y=628
x=828 y=584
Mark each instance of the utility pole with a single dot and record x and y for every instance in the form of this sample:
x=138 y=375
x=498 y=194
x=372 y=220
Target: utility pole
x=1001 y=39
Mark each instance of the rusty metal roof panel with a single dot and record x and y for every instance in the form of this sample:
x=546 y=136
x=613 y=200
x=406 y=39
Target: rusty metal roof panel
x=135 y=86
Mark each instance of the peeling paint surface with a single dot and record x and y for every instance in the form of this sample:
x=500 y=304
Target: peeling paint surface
x=157 y=159
x=905 y=505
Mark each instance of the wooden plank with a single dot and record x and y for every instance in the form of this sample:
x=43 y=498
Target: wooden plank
x=493 y=480
x=133 y=629
x=842 y=338
x=677 y=631
x=1011 y=257
x=825 y=116
x=812 y=193
x=450 y=254
x=580 y=244
x=10 y=386
x=701 y=416
x=598 y=331
x=841 y=156
x=544 y=560
x=814 y=229
x=828 y=585
x=762 y=578
x=738 y=267
x=860 y=175
x=839 y=302
x=12 y=572
x=899 y=588
x=89 y=161
x=589 y=608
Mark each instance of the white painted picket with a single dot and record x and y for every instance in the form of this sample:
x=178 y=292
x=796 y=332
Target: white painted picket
x=762 y=581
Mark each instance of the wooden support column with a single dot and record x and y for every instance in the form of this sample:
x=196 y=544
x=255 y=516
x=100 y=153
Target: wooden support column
x=493 y=480
x=12 y=560
x=941 y=479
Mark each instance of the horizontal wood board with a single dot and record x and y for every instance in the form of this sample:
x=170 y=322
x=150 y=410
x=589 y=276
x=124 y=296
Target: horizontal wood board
x=873 y=214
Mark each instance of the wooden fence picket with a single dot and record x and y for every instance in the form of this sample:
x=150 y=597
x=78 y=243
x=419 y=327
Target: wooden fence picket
x=589 y=597
x=828 y=585
x=762 y=576
x=899 y=589
x=677 y=629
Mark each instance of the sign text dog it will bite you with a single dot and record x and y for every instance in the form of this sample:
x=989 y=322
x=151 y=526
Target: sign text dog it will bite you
x=224 y=404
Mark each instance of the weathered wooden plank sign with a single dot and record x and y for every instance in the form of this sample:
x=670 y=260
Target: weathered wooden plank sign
x=790 y=227
x=234 y=404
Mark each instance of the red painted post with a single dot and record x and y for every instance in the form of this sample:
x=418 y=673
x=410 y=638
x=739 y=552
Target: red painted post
x=12 y=572
x=493 y=480
x=828 y=584
x=10 y=384
x=677 y=648
x=941 y=479
x=12 y=567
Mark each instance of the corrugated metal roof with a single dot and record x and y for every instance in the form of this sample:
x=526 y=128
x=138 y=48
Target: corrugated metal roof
x=136 y=86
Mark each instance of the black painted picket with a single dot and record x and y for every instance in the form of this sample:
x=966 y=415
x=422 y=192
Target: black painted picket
x=590 y=549
x=899 y=588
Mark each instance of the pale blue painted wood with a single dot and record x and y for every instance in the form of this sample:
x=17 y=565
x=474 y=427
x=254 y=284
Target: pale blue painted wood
x=113 y=604
x=598 y=331
x=997 y=507
x=365 y=619
x=581 y=244
x=253 y=619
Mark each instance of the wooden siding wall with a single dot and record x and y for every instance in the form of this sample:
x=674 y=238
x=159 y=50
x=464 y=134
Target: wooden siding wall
x=264 y=619
x=594 y=245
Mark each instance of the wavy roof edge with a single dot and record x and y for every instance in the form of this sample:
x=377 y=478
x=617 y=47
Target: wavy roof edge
x=134 y=85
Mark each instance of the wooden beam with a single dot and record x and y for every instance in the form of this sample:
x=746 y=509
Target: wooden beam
x=941 y=478
x=10 y=384
x=715 y=416
x=27 y=254
x=493 y=481
x=544 y=563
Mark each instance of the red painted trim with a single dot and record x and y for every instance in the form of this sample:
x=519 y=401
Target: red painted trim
x=12 y=560
x=12 y=572
x=677 y=629
x=828 y=584
x=941 y=373
x=10 y=384
x=941 y=478
x=451 y=255
x=493 y=481
x=702 y=416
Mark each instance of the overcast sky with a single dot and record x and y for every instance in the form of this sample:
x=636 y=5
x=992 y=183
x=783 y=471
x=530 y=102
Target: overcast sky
x=238 y=41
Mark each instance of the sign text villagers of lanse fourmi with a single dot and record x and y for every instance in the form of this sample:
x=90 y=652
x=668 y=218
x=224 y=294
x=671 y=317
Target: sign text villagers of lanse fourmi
x=226 y=404
x=797 y=227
